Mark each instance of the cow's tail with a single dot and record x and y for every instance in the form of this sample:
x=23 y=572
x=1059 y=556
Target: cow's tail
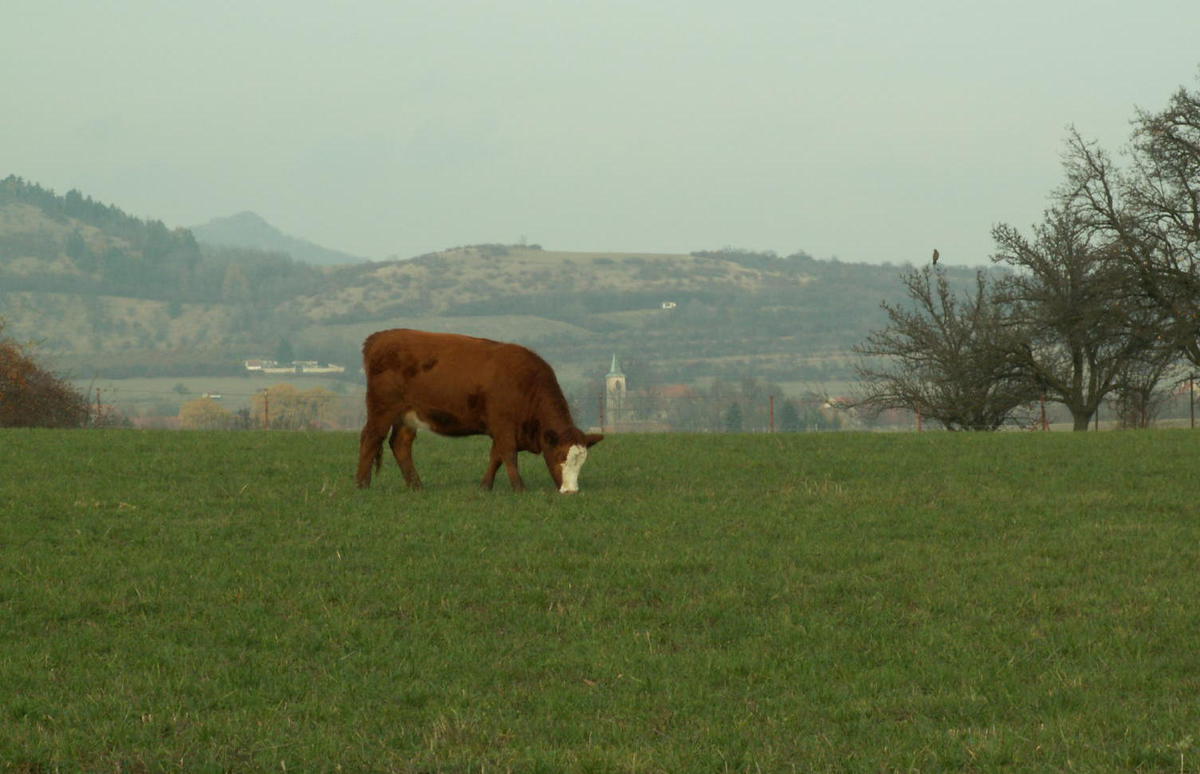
x=379 y=450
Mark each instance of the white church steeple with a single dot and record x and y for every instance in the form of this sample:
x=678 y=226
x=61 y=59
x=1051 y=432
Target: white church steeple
x=614 y=394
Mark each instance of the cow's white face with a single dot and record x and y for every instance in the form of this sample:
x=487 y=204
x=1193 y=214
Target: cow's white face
x=576 y=456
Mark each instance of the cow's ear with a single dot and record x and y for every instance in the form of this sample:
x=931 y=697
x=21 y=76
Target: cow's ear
x=550 y=438
x=591 y=439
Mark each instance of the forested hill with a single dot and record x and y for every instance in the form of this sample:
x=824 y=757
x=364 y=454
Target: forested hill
x=74 y=244
x=114 y=294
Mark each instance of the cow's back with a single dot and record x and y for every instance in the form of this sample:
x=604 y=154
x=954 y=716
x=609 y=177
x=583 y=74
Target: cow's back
x=411 y=352
x=463 y=375
x=415 y=355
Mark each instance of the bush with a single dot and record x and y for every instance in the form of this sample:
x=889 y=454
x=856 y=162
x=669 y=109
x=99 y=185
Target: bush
x=204 y=414
x=30 y=396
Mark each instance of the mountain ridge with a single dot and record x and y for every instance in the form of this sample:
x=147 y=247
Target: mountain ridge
x=248 y=229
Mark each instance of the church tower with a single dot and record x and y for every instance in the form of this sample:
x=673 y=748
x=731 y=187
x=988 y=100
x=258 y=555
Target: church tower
x=614 y=395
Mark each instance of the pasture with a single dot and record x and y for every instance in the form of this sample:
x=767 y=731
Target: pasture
x=812 y=602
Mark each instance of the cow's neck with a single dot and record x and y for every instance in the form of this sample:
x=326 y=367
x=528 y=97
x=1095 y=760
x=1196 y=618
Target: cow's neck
x=554 y=420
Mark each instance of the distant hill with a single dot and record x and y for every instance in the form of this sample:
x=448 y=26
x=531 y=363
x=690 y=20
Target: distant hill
x=111 y=294
x=687 y=317
x=247 y=229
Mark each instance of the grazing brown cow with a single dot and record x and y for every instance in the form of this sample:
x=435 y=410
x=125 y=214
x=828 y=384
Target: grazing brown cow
x=461 y=385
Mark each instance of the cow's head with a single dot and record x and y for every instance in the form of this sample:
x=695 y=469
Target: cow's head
x=565 y=456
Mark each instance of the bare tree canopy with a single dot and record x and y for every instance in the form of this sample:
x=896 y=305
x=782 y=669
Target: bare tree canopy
x=1149 y=213
x=948 y=358
x=1072 y=299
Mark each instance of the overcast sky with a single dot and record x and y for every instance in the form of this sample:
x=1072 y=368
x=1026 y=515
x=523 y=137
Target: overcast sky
x=873 y=131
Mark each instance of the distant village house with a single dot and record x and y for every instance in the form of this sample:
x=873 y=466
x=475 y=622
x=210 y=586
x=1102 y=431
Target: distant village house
x=302 y=367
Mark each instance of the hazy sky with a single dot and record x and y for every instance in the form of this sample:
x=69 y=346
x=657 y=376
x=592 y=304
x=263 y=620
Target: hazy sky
x=868 y=130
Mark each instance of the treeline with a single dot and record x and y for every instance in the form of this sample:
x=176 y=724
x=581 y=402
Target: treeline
x=150 y=236
x=279 y=407
x=138 y=258
x=754 y=259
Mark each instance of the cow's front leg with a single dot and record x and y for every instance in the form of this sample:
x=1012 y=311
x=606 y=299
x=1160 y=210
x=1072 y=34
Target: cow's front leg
x=489 y=476
x=506 y=453
x=514 y=473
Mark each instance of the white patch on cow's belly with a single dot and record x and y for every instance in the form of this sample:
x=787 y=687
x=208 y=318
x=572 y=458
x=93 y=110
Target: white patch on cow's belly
x=412 y=420
x=576 y=456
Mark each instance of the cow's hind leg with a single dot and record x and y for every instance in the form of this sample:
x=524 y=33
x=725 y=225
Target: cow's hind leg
x=401 y=443
x=370 y=447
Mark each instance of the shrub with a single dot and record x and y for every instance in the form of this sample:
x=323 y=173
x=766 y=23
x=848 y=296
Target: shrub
x=31 y=396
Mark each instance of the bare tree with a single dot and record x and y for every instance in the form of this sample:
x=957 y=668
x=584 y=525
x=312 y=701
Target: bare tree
x=1150 y=212
x=949 y=358
x=1068 y=294
x=1139 y=393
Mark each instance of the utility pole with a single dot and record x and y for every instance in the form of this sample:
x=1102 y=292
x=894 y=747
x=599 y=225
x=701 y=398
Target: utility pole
x=266 y=409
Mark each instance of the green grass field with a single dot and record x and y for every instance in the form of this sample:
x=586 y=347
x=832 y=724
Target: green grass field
x=816 y=602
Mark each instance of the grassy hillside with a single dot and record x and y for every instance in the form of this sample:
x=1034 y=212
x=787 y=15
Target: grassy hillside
x=470 y=280
x=731 y=313
x=811 y=603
